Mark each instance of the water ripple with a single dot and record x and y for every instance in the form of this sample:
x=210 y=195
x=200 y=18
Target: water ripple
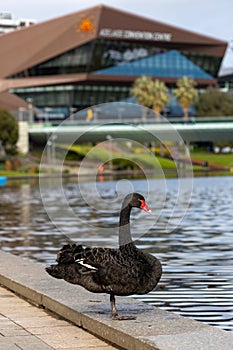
x=196 y=256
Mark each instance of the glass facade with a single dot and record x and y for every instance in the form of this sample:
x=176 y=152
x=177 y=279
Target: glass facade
x=108 y=53
x=170 y=64
x=95 y=55
x=77 y=60
x=80 y=96
x=112 y=57
x=99 y=54
x=210 y=64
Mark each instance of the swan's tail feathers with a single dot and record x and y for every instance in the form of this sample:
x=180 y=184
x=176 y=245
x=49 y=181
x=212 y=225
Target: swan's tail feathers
x=55 y=271
x=76 y=274
x=71 y=253
x=69 y=272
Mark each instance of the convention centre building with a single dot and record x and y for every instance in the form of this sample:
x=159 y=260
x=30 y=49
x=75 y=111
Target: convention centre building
x=94 y=56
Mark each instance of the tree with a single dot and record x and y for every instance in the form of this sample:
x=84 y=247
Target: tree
x=152 y=94
x=160 y=97
x=214 y=102
x=8 y=131
x=185 y=94
x=142 y=91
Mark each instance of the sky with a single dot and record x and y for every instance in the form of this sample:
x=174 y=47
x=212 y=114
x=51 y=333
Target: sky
x=209 y=17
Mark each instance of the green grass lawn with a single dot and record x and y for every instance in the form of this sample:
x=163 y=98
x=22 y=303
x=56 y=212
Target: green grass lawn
x=220 y=159
x=14 y=173
x=129 y=159
x=143 y=159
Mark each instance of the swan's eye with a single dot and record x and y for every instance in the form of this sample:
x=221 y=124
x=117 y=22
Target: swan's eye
x=144 y=206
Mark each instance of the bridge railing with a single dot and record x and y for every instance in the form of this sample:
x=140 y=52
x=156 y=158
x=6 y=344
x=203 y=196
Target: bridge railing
x=136 y=121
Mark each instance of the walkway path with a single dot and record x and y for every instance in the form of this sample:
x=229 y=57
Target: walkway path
x=26 y=327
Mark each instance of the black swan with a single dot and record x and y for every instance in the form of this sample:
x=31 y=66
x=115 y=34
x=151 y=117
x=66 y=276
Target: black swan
x=123 y=271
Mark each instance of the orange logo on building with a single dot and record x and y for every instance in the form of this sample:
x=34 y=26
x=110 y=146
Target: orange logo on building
x=86 y=25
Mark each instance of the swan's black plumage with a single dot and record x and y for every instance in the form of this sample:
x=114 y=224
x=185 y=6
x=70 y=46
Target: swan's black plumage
x=123 y=271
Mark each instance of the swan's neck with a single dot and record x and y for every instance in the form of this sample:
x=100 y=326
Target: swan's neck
x=124 y=226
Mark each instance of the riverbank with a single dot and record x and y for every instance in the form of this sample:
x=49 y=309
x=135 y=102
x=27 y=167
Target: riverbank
x=109 y=176
x=153 y=329
x=201 y=161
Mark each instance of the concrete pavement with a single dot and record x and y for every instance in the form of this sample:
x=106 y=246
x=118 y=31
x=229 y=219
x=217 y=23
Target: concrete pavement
x=153 y=328
x=27 y=327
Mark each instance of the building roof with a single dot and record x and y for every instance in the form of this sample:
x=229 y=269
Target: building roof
x=32 y=45
x=11 y=102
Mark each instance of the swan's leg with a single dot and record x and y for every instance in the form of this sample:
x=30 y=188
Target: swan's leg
x=115 y=315
x=113 y=306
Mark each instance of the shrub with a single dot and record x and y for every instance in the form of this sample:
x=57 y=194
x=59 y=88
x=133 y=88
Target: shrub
x=8 y=132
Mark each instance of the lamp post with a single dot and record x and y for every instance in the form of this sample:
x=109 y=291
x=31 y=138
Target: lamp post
x=109 y=138
x=30 y=110
x=46 y=116
x=97 y=111
x=72 y=111
x=48 y=149
x=53 y=148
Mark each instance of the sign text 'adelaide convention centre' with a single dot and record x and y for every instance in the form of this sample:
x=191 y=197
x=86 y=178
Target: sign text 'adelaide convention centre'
x=130 y=34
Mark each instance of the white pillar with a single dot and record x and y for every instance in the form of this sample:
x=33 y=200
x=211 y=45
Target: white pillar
x=23 y=141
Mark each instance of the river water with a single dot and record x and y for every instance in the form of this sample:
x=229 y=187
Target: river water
x=196 y=253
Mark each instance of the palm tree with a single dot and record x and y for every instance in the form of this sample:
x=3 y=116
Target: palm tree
x=185 y=94
x=142 y=91
x=152 y=94
x=160 y=97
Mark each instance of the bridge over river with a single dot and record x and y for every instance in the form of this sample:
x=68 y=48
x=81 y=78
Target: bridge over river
x=198 y=129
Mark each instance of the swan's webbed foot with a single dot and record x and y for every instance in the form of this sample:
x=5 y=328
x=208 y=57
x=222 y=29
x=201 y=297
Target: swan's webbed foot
x=115 y=315
x=123 y=318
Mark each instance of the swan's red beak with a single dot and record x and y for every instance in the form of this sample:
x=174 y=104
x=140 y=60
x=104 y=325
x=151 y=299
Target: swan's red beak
x=145 y=207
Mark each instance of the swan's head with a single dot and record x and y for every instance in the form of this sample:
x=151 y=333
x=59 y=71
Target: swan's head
x=138 y=201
